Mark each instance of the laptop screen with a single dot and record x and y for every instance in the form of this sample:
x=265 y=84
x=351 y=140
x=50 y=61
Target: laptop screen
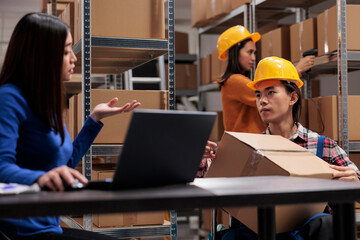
x=162 y=147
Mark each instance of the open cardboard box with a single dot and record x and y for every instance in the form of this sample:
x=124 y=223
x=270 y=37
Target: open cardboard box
x=246 y=154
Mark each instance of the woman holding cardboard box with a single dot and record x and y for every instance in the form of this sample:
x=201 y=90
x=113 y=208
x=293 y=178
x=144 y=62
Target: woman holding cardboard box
x=35 y=146
x=237 y=46
x=278 y=98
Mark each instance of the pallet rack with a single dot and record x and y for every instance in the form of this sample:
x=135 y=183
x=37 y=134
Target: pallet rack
x=259 y=12
x=93 y=50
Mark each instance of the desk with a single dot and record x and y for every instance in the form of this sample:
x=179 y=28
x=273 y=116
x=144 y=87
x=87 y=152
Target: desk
x=264 y=192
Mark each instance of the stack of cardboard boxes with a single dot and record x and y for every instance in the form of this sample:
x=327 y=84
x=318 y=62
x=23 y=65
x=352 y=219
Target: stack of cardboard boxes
x=319 y=32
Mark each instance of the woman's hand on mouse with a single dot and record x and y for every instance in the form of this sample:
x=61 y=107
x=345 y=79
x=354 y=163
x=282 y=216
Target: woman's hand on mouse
x=53 y=179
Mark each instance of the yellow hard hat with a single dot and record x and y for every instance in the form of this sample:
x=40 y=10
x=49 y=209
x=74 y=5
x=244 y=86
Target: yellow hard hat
x=232 y=36
x=275 y=68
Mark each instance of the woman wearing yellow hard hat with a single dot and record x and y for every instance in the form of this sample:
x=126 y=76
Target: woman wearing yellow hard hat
x=237 y=46
x=278 y=98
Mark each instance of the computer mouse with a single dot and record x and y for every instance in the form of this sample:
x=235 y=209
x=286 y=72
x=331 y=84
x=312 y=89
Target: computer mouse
x=76 y=185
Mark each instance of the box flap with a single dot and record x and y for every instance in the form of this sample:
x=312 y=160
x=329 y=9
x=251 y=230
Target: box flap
x=267 y=142
x=301 y=164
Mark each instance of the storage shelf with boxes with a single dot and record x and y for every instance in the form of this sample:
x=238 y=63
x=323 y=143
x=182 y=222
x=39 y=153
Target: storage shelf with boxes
x=124 y=34
x=267 y=14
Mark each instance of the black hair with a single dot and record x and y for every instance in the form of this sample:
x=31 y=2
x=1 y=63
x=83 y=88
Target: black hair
x=291 y=87
x=33 y=62
x=233 y=66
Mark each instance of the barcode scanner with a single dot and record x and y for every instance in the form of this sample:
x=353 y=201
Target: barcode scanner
x=309 y=53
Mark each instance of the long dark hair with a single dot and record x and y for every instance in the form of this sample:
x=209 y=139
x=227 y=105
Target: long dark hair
x=233 y=66
x=33 y=62
x=291 y=87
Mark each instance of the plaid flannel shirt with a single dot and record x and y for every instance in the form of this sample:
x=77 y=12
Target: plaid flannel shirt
x=332 y=153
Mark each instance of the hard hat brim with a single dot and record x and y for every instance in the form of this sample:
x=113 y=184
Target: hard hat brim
x=255 y=37
x=253 y=84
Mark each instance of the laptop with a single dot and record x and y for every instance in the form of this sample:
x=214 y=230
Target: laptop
x=162 y=147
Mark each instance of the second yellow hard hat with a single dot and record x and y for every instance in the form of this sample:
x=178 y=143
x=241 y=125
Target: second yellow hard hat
x=275 y=68
x=232 y=36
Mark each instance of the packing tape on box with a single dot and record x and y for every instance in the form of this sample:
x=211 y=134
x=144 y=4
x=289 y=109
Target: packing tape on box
x=187 y=70
x=300 y=37
x=252 y=163
x=270 y=44
x=255 y=157
x=326 y=17
x=213 y=7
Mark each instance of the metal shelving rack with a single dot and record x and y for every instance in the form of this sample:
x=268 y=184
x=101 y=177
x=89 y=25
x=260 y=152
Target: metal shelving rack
x=95 y=58
x=343 y=60
x=184 y=58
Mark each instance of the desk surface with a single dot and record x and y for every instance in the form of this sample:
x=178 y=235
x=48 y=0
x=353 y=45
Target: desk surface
x=205 y=193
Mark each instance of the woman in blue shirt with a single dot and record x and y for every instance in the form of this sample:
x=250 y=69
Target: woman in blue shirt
x=34 y=144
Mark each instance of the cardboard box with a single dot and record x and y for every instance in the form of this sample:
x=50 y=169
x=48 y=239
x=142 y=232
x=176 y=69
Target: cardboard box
x=198 y=13
x=302 y=38
x=276 y=43
x=77 y=21
x=205 y=70
x=218 y=129
x=72 y=128
x=67 y=118
x=185 y=76
x=268 y=27
x=246 y=154
x=115 y=127
x=355 y=158
x=181 y=42
x=328 y=107
x=217 y=8
x=65 y=11
x=327 y=29
x=126 y=219
x=222 y=218
x=47 y=4
x=304 y=117
x=238 y=3
x=218 y=67
x=126 y=19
